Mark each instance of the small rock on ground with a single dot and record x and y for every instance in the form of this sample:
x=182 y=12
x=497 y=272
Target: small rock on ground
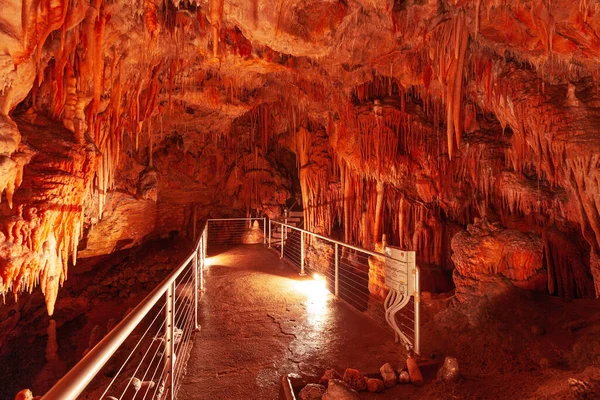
x=403 y=377
x=449 y=371
x=375 y=385
x=329 y=374
x=388 y=374
x=355 y=379
x=312 y=391
x=339 y=390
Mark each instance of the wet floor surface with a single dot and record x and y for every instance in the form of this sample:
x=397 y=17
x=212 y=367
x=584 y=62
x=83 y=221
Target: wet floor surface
x=260 y=320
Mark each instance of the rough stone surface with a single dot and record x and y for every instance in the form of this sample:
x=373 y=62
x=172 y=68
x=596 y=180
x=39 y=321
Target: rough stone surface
x=413 y=120
x=312 y=391
x=449 y=371
x=488 y=249
x=375 y=385
x=329 y=374
x=403 y=377
x=243 y=277
x=340 y=390
x=354 y=379
x=388 y=374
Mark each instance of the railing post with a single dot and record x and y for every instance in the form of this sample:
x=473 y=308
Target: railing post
x=282 y=234
x=417 y=297
x=302 y=254
x=269 y=233
x=170 y=340
x=205 y=240
x=196 y=267
x=337 y=271
x=265 y=230
x=202 y=262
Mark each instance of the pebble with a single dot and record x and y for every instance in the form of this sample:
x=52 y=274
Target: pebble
x=403 y=377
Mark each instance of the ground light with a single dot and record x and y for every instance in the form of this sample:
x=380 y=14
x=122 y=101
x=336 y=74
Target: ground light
x=317 y=299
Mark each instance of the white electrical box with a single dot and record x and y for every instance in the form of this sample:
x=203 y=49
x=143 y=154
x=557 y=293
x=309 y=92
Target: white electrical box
x=400 y=270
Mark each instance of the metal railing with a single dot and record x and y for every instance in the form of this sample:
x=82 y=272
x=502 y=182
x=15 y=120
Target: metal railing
x=350 y=274
x=144 y=356
x=230 y=231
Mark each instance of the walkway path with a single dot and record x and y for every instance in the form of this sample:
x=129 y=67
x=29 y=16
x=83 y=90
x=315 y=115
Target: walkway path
x=260 y=320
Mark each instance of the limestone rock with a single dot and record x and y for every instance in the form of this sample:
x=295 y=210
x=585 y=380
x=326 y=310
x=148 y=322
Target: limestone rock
x=329 y=374
x=148 y=186
x=355 y=379
x=375 y=385
x=24 y=394
x=312 y=391
x=584 y=390
x=403 y=377
x=388 y=374
x=487 y=249
x=339 y=390
x=449 y=370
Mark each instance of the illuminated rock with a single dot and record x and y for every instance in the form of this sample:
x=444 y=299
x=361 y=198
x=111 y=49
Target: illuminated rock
x=354 y=379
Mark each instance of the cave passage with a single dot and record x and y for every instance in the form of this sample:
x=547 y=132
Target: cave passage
x=260 y=321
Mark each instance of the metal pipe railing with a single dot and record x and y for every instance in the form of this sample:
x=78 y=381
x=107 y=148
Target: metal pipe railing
x=74 y=382
x=348 y=279
x=369 y=252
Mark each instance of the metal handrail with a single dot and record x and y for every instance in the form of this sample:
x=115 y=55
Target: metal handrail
x=74 y=382
x=284 y=227
x=369 y=252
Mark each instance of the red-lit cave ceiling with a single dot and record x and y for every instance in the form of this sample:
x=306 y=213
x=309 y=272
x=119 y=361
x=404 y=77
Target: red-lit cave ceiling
x=467 y=130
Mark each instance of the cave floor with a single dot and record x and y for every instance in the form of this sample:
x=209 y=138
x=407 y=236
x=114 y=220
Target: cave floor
x=260 y=320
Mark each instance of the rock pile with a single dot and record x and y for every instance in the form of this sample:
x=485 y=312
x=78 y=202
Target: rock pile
x=332 y=386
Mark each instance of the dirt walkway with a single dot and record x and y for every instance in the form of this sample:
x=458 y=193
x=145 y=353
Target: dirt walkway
x=260 y=320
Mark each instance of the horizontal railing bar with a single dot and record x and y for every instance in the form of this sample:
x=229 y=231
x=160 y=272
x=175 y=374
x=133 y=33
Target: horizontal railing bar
x=234 y=219
x=372 y=253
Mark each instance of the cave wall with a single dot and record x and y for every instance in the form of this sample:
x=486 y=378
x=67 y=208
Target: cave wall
x=420 y=120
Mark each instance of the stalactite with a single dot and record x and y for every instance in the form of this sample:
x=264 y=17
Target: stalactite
x=378 y=211
x=216 y=17
x=99 y=62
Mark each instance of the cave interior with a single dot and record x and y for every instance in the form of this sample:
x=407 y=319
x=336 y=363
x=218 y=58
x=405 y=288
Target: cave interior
x=467 y=131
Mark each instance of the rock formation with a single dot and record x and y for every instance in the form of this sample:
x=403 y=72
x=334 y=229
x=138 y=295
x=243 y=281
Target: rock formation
x=413 y=119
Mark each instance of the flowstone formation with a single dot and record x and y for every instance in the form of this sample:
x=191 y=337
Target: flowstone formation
x=122 y=121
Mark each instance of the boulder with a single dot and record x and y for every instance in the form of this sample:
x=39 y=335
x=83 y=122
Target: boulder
x=312 y=391
x=339 y=390
x=355 y=379
x=487 y=249
x=388 y=374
